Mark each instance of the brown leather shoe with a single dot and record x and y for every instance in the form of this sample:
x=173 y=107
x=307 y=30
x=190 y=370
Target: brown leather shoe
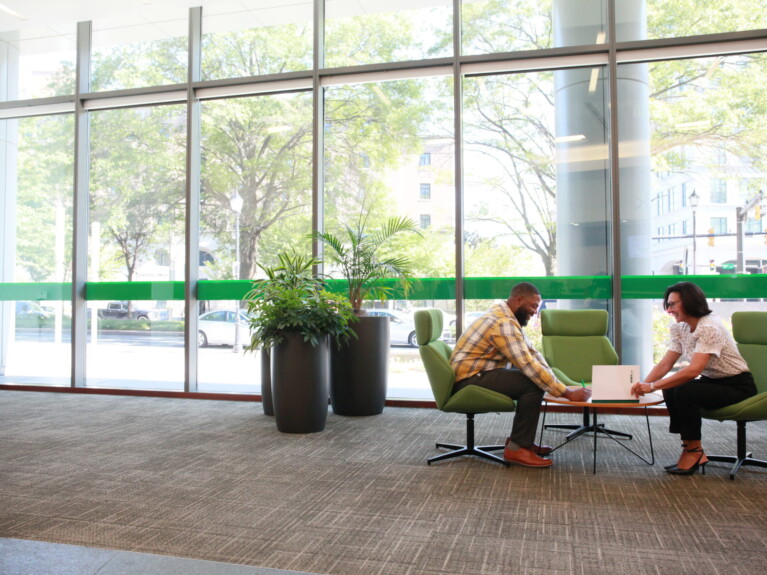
x=526 y=457
x=539 y=449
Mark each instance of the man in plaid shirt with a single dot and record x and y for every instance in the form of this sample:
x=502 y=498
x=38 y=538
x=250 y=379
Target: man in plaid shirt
x=482 y=356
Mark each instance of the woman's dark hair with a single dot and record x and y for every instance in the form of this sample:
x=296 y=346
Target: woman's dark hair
x=692 y=297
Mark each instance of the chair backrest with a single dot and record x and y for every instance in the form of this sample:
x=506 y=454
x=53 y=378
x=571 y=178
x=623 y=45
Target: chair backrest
x=435 y=354
x=749 y=328
x=575 y=340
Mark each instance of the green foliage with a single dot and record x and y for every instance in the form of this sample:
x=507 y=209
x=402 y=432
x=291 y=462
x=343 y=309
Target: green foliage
x=137 y=182
x=45 y=195
x=504 y=26
x=260 y=147
x=693 y=17
x=125 y=324
x=291 y=300
x=358 y=253
x=509 y=135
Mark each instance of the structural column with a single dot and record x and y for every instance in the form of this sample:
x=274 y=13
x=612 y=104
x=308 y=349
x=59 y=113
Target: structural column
x=604 y=222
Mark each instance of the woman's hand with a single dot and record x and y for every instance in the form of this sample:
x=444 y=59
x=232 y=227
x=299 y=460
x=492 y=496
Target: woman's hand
x=639 y=389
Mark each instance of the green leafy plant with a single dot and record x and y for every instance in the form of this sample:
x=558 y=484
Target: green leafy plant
x=292 y=300
x=358 y=255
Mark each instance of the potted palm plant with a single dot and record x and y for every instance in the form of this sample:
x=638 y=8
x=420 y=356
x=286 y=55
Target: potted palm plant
x=359 y=365
x=292 y=315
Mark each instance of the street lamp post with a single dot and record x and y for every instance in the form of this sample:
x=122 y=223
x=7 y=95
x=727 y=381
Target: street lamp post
x=694 y=199
x=236 y=202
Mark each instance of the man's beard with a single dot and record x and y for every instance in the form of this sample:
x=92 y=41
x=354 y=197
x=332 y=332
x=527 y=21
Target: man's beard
x=522 y=317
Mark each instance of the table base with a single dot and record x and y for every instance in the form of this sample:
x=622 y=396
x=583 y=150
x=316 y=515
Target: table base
x=598 y=429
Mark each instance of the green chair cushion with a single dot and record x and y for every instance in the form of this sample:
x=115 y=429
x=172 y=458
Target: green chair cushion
x=751 y=409
x=574 y=322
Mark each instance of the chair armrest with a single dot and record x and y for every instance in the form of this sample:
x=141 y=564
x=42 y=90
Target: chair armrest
x=561 y=376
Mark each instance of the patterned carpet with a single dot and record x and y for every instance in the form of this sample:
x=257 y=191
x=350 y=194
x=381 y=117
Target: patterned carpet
x=215 y=480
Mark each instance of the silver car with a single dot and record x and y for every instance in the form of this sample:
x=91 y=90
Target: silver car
x=217 y=328
x=402 y=327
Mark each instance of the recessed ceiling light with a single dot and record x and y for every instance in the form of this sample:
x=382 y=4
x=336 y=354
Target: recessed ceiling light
x=4 y=8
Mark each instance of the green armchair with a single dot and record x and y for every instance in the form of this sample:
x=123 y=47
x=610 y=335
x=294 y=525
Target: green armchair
x=470 y=400
x=749 y=328
x=573 y=342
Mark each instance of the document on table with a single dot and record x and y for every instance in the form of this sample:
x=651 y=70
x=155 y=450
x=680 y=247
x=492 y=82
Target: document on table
x=613 y=383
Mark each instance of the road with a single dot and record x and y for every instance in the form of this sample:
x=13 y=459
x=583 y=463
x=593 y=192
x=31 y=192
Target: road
x=155 y=360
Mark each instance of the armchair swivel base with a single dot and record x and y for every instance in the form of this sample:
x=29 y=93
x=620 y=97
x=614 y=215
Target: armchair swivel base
x=469 y=449
x=743 y=457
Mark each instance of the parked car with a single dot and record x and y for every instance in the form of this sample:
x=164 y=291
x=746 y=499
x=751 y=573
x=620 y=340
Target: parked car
x=402 y=330
x=217 y=328
x=119 y=310
x=30 y=309
x=403 y=327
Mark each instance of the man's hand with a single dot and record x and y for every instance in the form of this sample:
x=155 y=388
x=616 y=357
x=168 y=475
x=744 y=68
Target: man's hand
x=577 y=394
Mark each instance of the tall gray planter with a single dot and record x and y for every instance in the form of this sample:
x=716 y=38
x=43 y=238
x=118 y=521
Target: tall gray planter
x=300 y=388
x=359 y=369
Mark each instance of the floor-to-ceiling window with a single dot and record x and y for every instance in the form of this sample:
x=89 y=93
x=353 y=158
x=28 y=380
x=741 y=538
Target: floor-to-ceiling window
x=256 y=202
x=601 y=149
x=136 y=224
x=376 y=136
x=36 y=256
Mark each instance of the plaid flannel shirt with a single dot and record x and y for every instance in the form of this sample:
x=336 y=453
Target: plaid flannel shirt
x=493 y=341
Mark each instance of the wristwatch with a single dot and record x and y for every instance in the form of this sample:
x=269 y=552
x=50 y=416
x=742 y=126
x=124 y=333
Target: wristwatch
x=652 y=386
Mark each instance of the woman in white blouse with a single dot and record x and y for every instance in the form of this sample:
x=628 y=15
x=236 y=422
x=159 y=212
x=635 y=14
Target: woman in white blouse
x=716 y=375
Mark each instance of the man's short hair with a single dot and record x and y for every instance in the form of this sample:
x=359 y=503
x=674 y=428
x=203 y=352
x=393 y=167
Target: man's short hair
x=524 y=289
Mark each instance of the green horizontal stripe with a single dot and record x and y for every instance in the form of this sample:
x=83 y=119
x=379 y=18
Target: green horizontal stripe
x=570 y=287
x=714 y=286
x=35 y=291
x=218 y=290
x=733 y=286
x=125 y=291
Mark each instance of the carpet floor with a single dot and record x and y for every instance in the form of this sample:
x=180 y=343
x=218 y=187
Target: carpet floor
x=215 y=480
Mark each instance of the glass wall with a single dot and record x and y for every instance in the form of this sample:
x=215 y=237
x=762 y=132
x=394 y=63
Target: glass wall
x=491 y=26
x=136 y=234
x=662 y=19
x=37 y=62
x=265 y=39
x=376 y=32
x=139 y=49
x=256 y=201
x=515 y=150
x=36 y=250
x=384 y=142
x=700 y=150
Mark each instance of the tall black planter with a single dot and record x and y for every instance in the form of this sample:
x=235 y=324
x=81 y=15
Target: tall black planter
x=266 y=381
x=358 y=370
x=300 y=385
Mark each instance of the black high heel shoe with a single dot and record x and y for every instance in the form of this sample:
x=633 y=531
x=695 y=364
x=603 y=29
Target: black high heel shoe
x=667 y=467
x=675 y=470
